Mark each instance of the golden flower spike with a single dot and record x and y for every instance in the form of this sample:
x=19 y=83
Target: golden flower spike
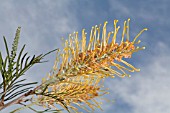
x=78 y=78
x=99 y=55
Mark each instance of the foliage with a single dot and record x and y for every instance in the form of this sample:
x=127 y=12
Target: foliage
x=13 y=68
x=78 y=80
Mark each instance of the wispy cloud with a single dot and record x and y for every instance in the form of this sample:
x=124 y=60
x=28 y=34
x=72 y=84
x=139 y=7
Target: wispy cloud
x=154 y=10
x=148 y=91
x=43 y=24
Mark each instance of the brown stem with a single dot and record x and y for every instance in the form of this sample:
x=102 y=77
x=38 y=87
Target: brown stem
x=18 y=100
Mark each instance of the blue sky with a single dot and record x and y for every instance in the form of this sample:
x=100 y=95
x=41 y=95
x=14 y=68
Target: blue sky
x=44 y=22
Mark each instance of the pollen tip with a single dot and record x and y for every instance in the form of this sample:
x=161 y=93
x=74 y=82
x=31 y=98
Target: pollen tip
x=146 y=29
x=112 y=76
x=139 y=41
x=143 y=47
x=128 y=19
x=100 y=103
x=115 y=21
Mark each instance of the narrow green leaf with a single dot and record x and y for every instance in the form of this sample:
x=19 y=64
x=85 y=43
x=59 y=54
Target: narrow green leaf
x=18 y=60
x=15 y=87
x=4 y=64
x=49 y=110
x=1 y=68
x=19 y=81
x=26 y=62
x=21 y=72
x=21 y=108
x=6 y=46
x=1 y=85
x=22 y=60
x=45 y=88
x=1 y=61
x=37 y=59
x=50 y=52
x=31 y=61
x=18 y=93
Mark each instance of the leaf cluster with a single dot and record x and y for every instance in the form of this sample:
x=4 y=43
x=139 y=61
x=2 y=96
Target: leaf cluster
x=13 y=67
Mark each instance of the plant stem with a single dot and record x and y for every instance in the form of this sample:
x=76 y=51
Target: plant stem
x=17 y=100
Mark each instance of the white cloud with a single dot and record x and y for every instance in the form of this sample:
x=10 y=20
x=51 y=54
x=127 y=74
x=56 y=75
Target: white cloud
x=43 y=23
x=147 y=91
x=155 y=11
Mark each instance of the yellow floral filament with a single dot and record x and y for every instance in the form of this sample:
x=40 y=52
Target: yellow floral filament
x=84 y=65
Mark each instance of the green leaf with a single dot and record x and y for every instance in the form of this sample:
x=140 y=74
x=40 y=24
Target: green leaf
x=1 y=69
x=31 y=61
x=4 y=67
x=22 y=60
x=49 y=110
x=19 y=81
x=1 y=60
x=18 y=93
x=12 y=69
x=1 y=85
x=26 y=62
x=50 y=52
x=21 y=108
x=15 y=87
x=18 y=60
x=6 y=46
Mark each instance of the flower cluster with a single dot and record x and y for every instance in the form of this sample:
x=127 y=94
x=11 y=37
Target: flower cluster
x=69 y=93
x=83 y=65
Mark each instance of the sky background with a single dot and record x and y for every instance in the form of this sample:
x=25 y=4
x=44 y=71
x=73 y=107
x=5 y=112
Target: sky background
x=44 y=22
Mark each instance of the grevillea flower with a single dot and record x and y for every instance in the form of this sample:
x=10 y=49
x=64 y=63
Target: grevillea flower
x=83 y=65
